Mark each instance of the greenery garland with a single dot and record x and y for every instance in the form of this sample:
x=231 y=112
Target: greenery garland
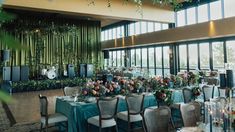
x=175 y=4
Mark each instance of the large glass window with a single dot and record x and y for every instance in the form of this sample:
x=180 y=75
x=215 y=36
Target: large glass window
x=193 y=56
x=215 y=10
x=183 y=57
x=137 y=28
x=143 y=27
x=202 y=13
x=138 y=57
x=158 y=55
x=218 y=55
x=114 y=59
x=204 y=56
x=166 y=60
x=229 y=9
x=230 y=48
x=181 y=18
x=191 y=16
x=114 y=33
x=132 y=29
x=119 y=61
x=165 y=26
x=157 y=26
x=150 y=27
x=151 y=61
x=144 y=57
x=123 y=57
x=102 y=36
x=132 y=57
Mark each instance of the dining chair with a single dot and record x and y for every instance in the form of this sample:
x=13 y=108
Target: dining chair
x=46 y=118
x=134 y=111
x=187 y=94
x=157 y=120
x=107 y=114
x=190 y=114
x=70 y=91
x=208 y=92
x=223 y=92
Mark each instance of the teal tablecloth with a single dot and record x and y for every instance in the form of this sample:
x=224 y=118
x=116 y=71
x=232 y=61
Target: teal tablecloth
x=78 y=113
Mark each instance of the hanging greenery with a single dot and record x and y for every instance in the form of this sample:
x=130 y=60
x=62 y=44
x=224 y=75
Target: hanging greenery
x=174 y=4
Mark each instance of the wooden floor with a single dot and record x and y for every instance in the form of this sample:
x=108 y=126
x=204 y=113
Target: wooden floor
x=25 y=107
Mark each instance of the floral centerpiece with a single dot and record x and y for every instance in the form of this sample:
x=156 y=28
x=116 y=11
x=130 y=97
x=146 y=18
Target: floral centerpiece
x=189 y=78
x=196 y=92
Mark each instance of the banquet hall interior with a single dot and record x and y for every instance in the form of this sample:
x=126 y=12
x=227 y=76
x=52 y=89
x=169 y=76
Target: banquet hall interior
x=117 y=65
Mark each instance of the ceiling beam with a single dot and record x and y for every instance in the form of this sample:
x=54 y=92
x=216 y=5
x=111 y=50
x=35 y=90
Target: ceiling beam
x=118 y=9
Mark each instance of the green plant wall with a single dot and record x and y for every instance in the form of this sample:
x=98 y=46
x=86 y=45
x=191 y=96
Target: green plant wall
x=54 y=42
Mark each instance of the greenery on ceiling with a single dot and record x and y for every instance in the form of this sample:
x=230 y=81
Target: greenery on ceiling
x=175 y=4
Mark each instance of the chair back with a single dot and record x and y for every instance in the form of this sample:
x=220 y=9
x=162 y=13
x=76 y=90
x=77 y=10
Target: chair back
x=212 y=81
x=135 y=103
x=157 y=119
x=190 y=114
x=107 y=107
x=69 y=91
x=43 y=105
x=208 y=91
x=187 y=94
x=223 y=92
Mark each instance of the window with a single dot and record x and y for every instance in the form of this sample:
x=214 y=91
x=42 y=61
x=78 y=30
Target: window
x=230 y=48
x=165 y=26
x=138 y=57
x=106 y=34
x=150 y=27
x=215 y=10
x=110 y=34
x=202 y=13
x=144 y=57
x=123 y=57
x=204 y=56
x=102 y=36
x=137 y=28
x=114 y=33
x=218 y=55
x=158 y=56
x=181 y=18
x=157 y=26
x=193 y=56
x=114 y=58
x=132 y=57
x=110 y=58
x=166 y=60
x=229 y=9
x=183 y=57
x=151 y=61
x=143 y=27
x=132 y=29
x=191 y=16
x=119 y=58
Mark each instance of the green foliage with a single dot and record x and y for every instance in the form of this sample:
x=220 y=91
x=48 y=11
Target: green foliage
x=36 y=85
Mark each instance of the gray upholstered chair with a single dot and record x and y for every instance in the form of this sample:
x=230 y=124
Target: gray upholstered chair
x=157 y=120
x=47 y=119
x=223 y=92
x=107 y=114
x=70 y=91
x=187 y=94
x=134 y=111
x=190 y=113
x=208 y=92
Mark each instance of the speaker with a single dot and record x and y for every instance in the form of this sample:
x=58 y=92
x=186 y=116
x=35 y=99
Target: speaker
x=15 y=73
x=5 y=55
x=70 y=69
x=24 y=73
x=106 y=54
x=82 y=70
x=229 y=78
x=222 y=77
x=89 y=70
x=6 y=73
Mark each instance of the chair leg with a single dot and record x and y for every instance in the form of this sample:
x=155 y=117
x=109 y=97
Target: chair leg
x=41 y=126
x=116 y=127
x=47 y=128
x=144 y=126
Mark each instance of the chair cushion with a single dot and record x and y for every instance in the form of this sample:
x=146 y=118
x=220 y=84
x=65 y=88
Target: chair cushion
x=105 y=123
x=133 y=118
x=54 y=118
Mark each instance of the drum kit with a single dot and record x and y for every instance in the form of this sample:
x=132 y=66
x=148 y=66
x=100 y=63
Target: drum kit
x=50 y=73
